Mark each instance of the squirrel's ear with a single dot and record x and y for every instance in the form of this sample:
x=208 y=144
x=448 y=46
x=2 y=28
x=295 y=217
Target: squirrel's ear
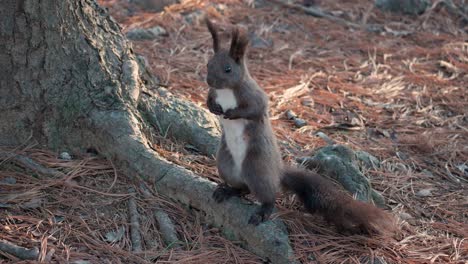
x=214 y=33
x=238 y=44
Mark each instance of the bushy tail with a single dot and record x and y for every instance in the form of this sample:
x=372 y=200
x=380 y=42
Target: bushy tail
x=349 y=215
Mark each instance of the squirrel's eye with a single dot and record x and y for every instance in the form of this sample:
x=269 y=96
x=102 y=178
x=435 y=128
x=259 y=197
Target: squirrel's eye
x=227 y=69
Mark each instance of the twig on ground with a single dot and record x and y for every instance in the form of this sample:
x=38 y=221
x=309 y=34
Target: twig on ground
x=321 y=14
x=454 y=9
x=30 y=164
x=325 y=138
x=166 y=226
x=19 y=252
x=115 y=176
x=451 y=8
x=134 y=222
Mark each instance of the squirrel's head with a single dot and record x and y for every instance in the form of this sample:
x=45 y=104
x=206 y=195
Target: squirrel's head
x=227 y=69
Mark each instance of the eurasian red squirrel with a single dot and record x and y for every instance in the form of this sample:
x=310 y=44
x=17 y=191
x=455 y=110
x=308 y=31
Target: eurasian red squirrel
x=248 y=158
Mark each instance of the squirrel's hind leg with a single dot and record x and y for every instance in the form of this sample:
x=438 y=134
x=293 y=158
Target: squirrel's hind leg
x=223 y=192
x=262 y=214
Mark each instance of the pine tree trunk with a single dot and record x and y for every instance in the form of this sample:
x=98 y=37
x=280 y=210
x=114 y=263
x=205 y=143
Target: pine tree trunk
x=70 y=81
x=58 y=70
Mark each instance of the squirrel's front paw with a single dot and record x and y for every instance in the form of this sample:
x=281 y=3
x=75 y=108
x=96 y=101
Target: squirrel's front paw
x=215 y=109
x=230 y=114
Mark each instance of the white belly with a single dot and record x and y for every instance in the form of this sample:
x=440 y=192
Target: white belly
x=226 y=99
x=233 y=129
x=235 y=140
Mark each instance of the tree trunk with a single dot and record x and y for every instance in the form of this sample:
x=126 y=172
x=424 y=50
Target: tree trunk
x=70 y=81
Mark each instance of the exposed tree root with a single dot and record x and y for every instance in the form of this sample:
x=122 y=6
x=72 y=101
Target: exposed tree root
x=181 y=119
x=134 y=222
x=268 y=240
x=30 y=164
x=19 y=252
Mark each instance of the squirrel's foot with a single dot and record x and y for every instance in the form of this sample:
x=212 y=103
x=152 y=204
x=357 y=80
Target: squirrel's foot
x=224 y=192
x=230 y=114
x=262 y=214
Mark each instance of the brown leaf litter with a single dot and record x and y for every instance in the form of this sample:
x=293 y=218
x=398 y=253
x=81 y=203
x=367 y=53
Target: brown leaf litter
x=406 y=91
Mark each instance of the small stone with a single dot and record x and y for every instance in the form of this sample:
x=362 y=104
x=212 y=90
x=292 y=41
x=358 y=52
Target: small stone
x=281 y=28
x=428 y=173
x=153 y=5
x=398 y=166
x=299 y=122
x=337 y=12
x=146 y=33
x=8 y=180
x=463 y=168
x=308 y=103
x=410 y=7
x=220 y=7
x=258 y=3
x=290 y=114
x=32 y=204
x=81 y=262
x=65 y=156
x=193 y=17
x=58 y=219
x=386 y=133
x=308 y=3
x=5 y=205
x=405 y=216
x=424 y=193
x=115 y=236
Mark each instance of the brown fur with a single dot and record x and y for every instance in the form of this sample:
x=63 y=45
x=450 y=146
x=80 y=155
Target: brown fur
x=262 y=171
x=238 y=44
x=214 y=34
x=337 y=207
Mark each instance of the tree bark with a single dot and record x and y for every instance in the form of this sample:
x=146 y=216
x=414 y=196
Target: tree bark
x=70 y=81
x=62 y=60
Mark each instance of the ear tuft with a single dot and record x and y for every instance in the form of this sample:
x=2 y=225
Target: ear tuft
x=238 y=44
x=214 y=34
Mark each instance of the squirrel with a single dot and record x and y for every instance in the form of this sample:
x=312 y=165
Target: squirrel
x=248 y=158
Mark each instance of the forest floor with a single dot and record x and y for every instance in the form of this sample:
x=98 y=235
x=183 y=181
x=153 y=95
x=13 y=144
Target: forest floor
x=399 y=94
